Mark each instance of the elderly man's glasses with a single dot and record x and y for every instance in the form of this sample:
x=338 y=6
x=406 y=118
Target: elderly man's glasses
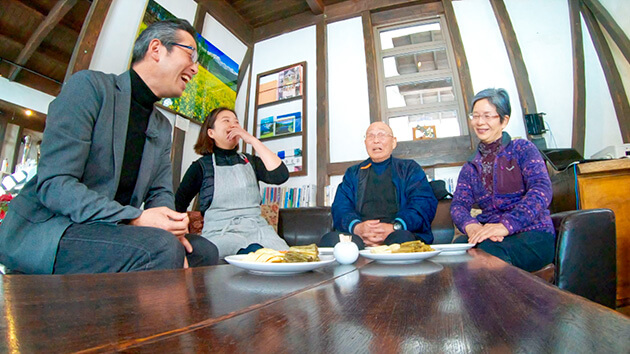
x=194 y=55
x=379 y=135
x=486 y=117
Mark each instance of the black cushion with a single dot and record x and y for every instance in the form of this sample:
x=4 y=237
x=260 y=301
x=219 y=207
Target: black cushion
x=303 y=226
x=439 y=189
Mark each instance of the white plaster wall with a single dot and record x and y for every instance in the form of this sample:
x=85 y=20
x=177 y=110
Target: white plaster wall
x=274 y=53
x=348 y=104
x=544 y=35
x=112 y=52
x=487 y=57
x=24 y=96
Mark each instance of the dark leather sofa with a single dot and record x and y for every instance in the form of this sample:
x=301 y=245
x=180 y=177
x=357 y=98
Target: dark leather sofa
x=585 y=261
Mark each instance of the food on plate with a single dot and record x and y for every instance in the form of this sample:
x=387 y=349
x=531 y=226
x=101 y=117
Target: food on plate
x=265 y=255
x=308 y=253
x=405 y=247
x=295 y=254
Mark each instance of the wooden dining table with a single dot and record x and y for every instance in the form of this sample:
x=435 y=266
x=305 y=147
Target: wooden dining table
x=466 y=303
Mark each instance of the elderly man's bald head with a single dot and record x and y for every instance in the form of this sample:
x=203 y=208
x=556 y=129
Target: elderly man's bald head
x=379 y=126
x=379 y=141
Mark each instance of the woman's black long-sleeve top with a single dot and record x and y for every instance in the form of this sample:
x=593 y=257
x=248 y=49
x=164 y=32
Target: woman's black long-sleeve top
x=192 y=181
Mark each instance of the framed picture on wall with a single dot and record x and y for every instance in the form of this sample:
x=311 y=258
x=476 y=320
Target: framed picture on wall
x=422 y=132
x=280 y=114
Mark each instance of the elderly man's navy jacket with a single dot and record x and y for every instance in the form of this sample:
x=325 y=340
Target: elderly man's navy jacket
x=416 y=202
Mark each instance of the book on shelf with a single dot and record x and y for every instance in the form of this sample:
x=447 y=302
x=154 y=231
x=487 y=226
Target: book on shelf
x=329 y=194
x=290 y=197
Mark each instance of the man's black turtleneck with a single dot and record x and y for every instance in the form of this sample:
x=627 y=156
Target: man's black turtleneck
x=380 y=201
x=142 y=100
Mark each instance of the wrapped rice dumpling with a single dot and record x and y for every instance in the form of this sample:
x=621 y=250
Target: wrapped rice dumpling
x=413 y=246
x=308 y=253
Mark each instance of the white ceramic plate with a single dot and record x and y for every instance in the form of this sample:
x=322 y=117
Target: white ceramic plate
x=325 y=250
x=393 y=258
x=452 y=249
x=277 y=268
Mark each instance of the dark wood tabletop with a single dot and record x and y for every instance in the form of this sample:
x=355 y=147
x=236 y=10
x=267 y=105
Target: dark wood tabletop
x=469 y=303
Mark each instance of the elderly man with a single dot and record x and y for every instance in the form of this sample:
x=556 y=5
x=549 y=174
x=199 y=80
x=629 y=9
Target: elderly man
x=105 y=153
x=382 y=200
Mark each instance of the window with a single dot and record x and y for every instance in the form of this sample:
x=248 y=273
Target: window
x=419 y=86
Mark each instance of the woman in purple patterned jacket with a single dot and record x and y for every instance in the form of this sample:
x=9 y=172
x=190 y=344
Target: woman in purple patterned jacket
x=508 y=180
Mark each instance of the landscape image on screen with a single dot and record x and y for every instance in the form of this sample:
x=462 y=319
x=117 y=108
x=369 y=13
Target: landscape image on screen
x=215 y=84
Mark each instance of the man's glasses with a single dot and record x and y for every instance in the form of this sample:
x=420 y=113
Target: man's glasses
x=486 y=117
x=379 y=135
x=194 y=55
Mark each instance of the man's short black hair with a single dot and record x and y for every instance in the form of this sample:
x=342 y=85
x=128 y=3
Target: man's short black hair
x=165 y=31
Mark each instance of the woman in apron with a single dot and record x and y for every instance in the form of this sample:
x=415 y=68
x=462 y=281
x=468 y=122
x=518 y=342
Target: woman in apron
x=227 y=183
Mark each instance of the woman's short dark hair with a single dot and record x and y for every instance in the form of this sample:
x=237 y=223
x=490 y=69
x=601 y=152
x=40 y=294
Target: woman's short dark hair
x=165 y=31
x=499 y=98
x=205 y=144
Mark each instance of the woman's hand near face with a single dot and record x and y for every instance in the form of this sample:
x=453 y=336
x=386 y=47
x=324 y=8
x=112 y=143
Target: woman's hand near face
x=236 y=131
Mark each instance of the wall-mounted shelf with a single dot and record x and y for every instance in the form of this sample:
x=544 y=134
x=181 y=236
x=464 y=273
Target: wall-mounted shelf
x=280 y=114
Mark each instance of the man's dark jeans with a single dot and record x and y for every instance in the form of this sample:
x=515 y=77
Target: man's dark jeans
x=106 y=248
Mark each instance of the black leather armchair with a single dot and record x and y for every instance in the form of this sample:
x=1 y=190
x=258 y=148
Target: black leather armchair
x=586 y=254
x=303 y=226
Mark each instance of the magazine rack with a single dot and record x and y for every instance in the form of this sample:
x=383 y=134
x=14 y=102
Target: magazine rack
x=280 y=114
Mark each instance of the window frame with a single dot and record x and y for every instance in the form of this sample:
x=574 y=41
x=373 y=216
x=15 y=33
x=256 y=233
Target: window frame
x=424 y=150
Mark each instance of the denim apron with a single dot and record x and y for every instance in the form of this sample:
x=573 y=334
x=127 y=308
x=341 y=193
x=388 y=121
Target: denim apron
x=233 y=220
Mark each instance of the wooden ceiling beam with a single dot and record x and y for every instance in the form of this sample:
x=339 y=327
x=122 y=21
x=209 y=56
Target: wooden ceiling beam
x=221 y=11
x=323 y=147
x=463 y=71
x=521 y=77
x=91 y=29
x=54 y=16
x=317 y=6
x=286 y=25
x=332 y=13
x=407 y=13
x=369 y=46
x=579 y=85
x=613 y=29
x=242 y=68
x=269 y=14
x=46 y=55
x=613 y=79
x=347 y=9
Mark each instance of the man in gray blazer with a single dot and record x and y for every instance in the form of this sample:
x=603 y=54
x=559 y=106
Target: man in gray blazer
x=102 y=200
